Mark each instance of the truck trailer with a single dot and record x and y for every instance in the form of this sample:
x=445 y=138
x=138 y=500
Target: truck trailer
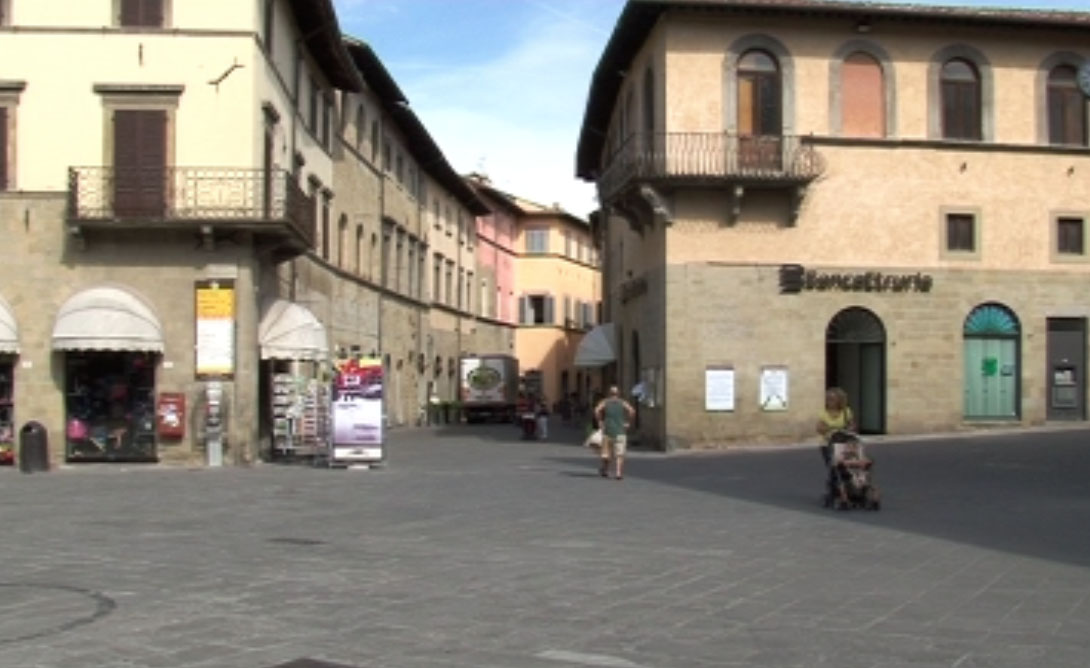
x=489 y=387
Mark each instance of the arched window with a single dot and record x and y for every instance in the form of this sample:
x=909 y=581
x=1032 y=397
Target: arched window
x=1066 y=108
x=863 y=108
x=961 y=100
x=992 y=337
x=760 y=106
x=342 y=241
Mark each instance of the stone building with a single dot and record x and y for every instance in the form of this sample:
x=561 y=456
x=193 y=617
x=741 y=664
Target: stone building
x=233 y=197
x=802 y=194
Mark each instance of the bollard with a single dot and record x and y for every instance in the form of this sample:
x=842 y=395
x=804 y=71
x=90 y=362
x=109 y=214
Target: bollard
x=33 y=448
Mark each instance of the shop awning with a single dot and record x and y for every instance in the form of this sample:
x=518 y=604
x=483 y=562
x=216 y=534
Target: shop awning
x=596 y=348
x=107 y=319
x=289 y=331
x=9 y=332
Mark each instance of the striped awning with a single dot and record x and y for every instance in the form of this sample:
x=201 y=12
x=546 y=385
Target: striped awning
x=107 y=318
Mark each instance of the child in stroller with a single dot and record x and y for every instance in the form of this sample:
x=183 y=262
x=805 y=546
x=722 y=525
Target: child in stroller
x=849 y=483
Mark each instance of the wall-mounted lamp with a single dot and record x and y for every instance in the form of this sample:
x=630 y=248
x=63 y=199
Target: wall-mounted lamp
x=863 y=27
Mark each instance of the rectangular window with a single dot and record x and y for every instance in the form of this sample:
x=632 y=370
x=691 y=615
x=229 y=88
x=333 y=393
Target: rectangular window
x=387 y=155
x=469 y=292
x=961 y=110
x=449 y=284
x=537 y=241
x=567 y=244
x=325 y=225
x=961 y=232
x=435 y=214
x=327 y=120
x=1070 y=236
x=436 y=279
x=536 y=310
x=384 y=268
x=312 y=107
x=397 y=260
x=141 y=13
x=3 y=148
x=268 y=25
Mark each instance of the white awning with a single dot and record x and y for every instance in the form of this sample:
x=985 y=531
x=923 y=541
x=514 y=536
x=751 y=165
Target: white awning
x=9 y=332
x=289 y=331
x=597 y=348
x=107 y=319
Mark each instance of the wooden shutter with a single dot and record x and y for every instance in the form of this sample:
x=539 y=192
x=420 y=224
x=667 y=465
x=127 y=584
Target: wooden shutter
x=522 y=310
x=140 y=147
x=142 y=13
x=3 y=148
x=549 y=309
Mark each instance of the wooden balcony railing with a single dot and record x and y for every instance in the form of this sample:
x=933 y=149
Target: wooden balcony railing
x=709 y=157
x=175 y=196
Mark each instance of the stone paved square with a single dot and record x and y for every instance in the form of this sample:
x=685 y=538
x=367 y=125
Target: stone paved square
x=471 y=548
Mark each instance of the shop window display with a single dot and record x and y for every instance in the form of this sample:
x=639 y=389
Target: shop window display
x=7 y=423
x=110 y=407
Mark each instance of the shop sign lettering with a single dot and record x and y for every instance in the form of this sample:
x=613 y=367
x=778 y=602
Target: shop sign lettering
x=794 y=278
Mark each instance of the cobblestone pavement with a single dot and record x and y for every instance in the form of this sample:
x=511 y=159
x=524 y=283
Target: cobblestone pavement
x=472 y=549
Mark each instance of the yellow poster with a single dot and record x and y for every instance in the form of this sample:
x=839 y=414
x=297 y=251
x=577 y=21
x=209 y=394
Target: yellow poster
x=215 y=307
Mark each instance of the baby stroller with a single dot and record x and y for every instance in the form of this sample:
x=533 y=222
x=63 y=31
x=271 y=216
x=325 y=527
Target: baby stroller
x=849 y=481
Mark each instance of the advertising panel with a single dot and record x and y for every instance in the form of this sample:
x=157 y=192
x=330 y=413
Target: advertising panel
x=215 y=305
x=357 y=411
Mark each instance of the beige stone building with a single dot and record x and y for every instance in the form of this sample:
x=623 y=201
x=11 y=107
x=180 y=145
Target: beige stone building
x=801 y=194
x=232 y=198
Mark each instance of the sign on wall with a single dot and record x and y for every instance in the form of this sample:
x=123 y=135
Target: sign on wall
x=773 y=395
x=215 y=305
x=719 y=388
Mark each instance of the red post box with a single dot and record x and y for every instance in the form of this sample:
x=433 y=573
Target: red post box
x=170 y=415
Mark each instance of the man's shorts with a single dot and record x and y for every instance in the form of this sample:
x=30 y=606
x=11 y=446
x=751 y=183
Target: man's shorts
x=615 y=445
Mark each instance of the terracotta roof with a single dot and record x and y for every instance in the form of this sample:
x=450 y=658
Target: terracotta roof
x=518 y=205
x=639 y=17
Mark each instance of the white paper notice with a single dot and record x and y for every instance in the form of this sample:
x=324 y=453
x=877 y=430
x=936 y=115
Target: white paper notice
x=719 y=389
x=774 y=388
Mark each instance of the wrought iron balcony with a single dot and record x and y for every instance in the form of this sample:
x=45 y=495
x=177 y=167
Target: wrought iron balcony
x=709 y=158
x=265 y=202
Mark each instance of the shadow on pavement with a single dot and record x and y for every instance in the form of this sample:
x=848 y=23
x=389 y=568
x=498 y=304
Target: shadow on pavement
x=1027 y=494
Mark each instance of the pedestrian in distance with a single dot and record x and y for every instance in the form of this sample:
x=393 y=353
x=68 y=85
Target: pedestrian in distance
x=614 y=414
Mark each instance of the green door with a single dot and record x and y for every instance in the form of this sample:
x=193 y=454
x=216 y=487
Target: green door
x=992 y=369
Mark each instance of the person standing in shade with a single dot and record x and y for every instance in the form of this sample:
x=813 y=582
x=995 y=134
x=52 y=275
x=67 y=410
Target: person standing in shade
x=614 y=415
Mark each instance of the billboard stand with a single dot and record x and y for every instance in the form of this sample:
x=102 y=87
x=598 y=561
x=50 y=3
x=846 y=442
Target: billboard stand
x=357 y=413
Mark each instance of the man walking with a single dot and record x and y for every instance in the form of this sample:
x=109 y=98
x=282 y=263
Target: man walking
x=613 y=414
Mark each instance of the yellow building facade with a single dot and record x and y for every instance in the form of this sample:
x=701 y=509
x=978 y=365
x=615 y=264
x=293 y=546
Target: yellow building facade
x=890 y=200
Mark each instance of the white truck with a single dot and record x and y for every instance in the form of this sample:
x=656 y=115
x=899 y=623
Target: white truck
x=489 y=387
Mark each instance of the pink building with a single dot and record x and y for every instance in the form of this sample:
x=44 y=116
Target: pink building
x=496 y=253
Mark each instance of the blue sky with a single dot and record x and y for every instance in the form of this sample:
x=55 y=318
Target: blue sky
x=501 y=84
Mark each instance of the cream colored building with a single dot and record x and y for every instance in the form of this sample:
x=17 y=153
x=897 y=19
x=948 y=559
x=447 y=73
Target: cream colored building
x=804 y=194
x=196 y=210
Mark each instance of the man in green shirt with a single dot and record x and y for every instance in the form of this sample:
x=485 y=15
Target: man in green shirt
x=613 y=414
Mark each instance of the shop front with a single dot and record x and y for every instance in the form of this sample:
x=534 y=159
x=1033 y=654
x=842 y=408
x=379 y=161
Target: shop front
x=111 y=342
x=295 y=383
x=9 y=348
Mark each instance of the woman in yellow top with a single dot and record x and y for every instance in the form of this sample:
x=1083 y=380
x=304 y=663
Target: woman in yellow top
x=837 y=415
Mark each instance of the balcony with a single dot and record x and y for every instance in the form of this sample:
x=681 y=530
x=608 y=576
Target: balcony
x=668 y=160
x=204 y=199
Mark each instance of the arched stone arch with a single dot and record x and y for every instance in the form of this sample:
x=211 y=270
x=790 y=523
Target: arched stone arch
x=889 y=83
x=787 y=79
x=934 y=89
x=1040 y=88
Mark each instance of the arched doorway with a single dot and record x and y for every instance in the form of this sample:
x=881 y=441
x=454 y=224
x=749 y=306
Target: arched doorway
x=855 y=360
x=992 y=368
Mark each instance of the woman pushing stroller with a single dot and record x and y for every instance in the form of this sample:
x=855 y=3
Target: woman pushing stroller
x=849 y=469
